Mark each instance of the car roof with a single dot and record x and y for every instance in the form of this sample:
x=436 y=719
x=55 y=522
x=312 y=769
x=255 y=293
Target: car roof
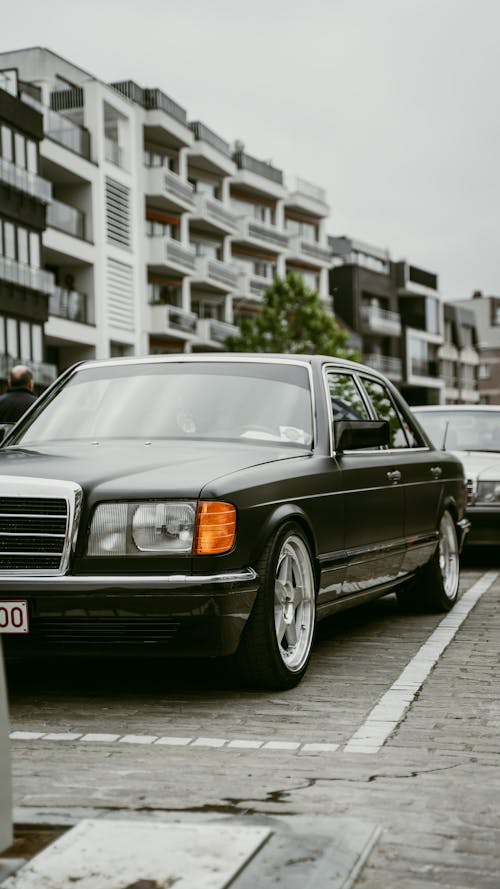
x=445 y=408
x=286 y=358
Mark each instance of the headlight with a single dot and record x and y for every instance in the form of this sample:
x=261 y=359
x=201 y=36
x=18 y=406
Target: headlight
x=120 y=529
x=125 y=529
x=488 y=493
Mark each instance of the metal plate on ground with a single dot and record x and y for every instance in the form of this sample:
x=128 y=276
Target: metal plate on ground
x=105 y=854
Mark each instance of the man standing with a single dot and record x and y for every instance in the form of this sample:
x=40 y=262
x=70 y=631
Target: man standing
x=19 y=395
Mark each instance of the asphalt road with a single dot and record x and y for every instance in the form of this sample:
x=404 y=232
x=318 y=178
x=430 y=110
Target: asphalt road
x=178 y=736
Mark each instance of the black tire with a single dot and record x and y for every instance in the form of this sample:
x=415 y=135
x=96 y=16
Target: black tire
x=435 y=587
x=266 y=657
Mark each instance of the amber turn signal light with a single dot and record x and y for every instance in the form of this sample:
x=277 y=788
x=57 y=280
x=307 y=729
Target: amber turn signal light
x=215 y=528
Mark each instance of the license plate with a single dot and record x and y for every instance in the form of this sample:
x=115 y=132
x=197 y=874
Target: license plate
x=14 y=617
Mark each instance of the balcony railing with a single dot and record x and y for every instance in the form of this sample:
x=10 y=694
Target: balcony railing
x=43 y=374
x=69 y=304
x=261 y=168
x=420 y=367
x=309 y=190
x=253 y=286
x=204 y=134
x=66 y=219
x=391 y=366
x=167 y=251
x=311 y=249
x=113 y=152
x=23 y=180
x=25 y=275
x=181 y=319
x=150 y=99
x=211 y=330
x=161 y=181
x=215 y=211
x=213 y=270
x=270 y=235
x=66 y=100
x=381 y=320
x=60 y=129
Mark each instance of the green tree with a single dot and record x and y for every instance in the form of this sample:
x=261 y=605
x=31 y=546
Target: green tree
x=293 y=319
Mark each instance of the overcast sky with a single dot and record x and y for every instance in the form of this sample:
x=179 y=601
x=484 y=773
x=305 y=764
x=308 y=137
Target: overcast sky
x=391 y=105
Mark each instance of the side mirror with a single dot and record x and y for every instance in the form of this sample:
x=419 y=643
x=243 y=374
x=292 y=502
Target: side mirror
x=352 y=435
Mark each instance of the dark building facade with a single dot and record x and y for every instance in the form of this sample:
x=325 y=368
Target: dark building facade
x=24 y=286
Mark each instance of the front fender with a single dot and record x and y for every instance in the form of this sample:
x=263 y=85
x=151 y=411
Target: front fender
x=280 y=514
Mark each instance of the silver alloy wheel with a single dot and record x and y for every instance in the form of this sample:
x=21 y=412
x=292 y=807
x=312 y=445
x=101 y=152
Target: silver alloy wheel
x=448 y=556
x=294 y=603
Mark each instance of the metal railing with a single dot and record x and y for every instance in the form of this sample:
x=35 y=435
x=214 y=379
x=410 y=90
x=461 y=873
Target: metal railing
x=23 y=180
x=223 y=273
x=309 y=190
x=64 y=100
x=66 y=219
x=261 y=168
x=25 y=275
x=156 y=99
x=69 y=304
x=212 y=330
x=60 y=129
x=167 y=250
x=312 y=249
x=269 y=234
x=165 y=181
x=181 y=319
x=386 y=364
x=216 y=211
x=204 y=134
x=375 y=317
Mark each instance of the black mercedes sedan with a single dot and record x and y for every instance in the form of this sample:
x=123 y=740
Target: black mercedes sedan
x=219 y=505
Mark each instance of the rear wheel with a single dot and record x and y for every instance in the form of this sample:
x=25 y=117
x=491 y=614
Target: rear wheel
x=276 y=643
x=435 y=587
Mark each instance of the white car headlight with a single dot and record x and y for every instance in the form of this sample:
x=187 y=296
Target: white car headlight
x=488 y=493
x=120 y=529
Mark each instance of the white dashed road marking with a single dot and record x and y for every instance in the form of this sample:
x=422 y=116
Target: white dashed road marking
x=369 y=738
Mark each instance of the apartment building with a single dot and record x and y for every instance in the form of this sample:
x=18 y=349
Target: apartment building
x=160 y=234
x=425 y=347
x=486 y=313
x=24 y=198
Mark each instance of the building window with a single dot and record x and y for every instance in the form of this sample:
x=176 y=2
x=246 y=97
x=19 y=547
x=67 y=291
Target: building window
x=165 y=292
x=6 y=144
x=207 y=247
x=261 y=212
x=484 y=371
x=308 y=231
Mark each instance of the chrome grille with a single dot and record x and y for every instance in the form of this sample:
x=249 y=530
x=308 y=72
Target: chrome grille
x=38 y=524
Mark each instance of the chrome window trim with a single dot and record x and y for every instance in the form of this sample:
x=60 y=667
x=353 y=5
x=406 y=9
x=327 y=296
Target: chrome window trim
x=356 y=375
x=49 y=488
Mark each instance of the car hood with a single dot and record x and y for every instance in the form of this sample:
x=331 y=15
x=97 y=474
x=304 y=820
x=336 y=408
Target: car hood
x=118 y=469
x=482 y=465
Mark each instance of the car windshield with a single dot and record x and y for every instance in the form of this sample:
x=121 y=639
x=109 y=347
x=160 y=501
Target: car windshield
x=471 y=430
x=261 y=401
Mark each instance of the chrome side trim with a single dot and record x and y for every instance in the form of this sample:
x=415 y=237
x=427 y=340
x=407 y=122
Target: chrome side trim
x=152 y=581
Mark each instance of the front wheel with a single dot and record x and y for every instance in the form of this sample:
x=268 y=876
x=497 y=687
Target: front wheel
x=276 y=643
x=435 y=587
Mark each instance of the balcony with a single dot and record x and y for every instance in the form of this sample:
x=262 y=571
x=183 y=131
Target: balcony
x=23 y=180
x=422 y=367
x=174 y=320
x=67 y=219
x=150 y=99
x=261 y=168
x=210 y=330
x=306 y=195
x=310 y=251
x=213 y=212
x=61 y=129
x=222 y=275
x=26 y=276
x=166 y=252
x=377 y=320
x=261 y=234
x=113 y=152
x=204 y=134
x=252 y=287
x=386 y=364
x=69 y=304
x=164 y=185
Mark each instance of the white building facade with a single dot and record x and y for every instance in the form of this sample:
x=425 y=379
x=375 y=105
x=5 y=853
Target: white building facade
x=159 y=236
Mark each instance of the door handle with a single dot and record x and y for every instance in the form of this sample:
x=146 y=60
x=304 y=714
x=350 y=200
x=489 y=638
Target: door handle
x=436 y=471
x=394 y=477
